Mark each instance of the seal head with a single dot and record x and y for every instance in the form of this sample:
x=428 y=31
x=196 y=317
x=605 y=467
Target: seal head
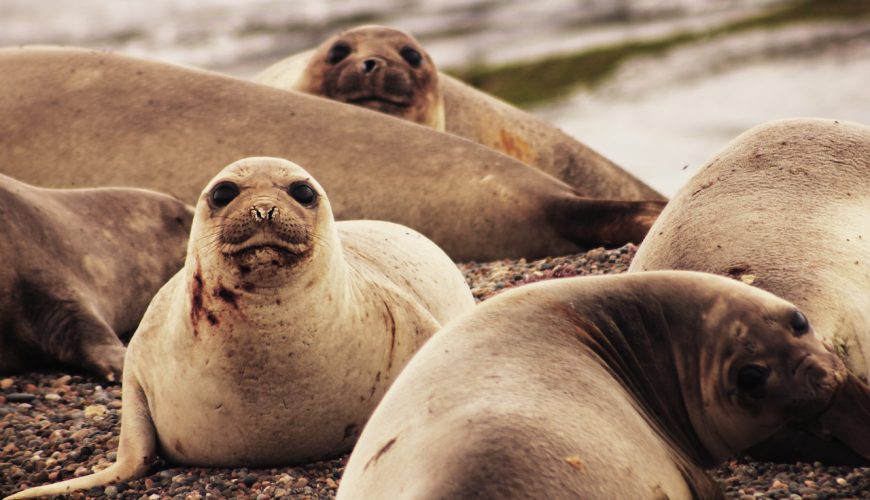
x=256 y=227
x=763 y=367
x=379 y=68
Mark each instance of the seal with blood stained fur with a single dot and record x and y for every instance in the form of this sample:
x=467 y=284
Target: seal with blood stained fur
x=785 y=206
x=283 y=324
x=79 y=267
x=65 y=122
x=597 y=387
x=387 y=70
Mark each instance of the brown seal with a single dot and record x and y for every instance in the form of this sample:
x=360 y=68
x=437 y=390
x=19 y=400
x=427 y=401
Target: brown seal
x=387 y=70
x=79 y=267
x=784 y=206
x=67 y=119
x=597 y=387
x=284 y=327
x=376 y=67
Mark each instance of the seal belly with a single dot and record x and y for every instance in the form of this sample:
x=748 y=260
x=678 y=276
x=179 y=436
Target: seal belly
x=276 y=398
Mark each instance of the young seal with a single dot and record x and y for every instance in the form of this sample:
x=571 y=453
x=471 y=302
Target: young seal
x=79 y=267
x=376 y=67
x=283 y=325
x=596 y=387
x=65 y=121
x=387 y=70
x=785 y=207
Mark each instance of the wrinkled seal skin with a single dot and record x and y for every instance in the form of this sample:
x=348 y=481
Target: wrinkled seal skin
x=72 y=117
x=597 y=387
x=281 y=333
x=787 y=206
x=446 y=104
x=79 y=267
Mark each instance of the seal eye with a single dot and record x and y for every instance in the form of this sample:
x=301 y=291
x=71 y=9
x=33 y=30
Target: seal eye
x=337 y=53
x=751 y=378
x=799 y=323
x=411 y=56
x=304 y=194
x=224 y=193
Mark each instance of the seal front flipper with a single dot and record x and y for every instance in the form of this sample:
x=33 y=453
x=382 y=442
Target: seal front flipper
x=590 y=222
x=136 y=450
x=848 y=418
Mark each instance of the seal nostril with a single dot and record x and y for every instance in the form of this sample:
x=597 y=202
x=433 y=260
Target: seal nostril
x=262 y=213
x=817 y=373
x=369 y=65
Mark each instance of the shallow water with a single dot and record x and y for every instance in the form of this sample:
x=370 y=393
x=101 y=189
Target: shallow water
x=663 y=118
x=233 y=34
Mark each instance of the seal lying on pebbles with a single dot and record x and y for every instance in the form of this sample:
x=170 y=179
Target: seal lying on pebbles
x=387 y=70
x=65 y=121
x=79 y=267
x=785 y=206
x=283 y=325
x=595 y=387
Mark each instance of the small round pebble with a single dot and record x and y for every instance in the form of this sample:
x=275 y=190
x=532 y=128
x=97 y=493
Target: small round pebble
x=20 y=397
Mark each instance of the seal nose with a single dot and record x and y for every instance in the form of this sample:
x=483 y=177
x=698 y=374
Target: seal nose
x=263 y=213
x=370 y=65
x=813 y=370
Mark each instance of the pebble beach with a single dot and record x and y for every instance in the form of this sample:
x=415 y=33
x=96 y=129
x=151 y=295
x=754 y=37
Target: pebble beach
x=57 y=425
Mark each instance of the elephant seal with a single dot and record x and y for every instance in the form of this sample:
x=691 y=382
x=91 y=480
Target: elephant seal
x=79 y=267
x=65 y=121
x=620 y=386
x=376 y=67
x=283 y=325
x=785 y=206
x=346 y=68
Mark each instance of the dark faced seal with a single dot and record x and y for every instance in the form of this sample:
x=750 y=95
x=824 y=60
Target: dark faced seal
x=785 y=206
x=65 y=120
x=79 y=269
x=283 y=325
x=376 y=67
x=596 y=387
x=387 y=70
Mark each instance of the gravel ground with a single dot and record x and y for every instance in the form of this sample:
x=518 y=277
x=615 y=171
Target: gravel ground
x=56 y=425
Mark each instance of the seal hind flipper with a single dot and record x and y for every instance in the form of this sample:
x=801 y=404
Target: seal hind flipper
x=136 y=450
x=590 y=222
x=68 y=330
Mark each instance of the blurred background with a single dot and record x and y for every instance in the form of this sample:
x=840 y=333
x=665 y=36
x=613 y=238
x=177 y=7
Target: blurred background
x=658 y=86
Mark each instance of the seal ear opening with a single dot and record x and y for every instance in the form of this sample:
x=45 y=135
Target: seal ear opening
x=590 y=222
